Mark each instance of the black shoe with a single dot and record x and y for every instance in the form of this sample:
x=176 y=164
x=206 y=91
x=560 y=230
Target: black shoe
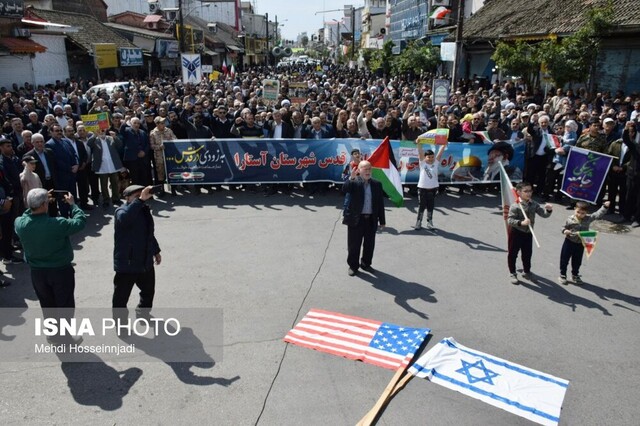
x=367 y=268
x=117 y=202
x=12 y=260
x=352 y=272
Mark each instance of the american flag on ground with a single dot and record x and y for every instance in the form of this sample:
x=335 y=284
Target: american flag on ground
x=373 y=342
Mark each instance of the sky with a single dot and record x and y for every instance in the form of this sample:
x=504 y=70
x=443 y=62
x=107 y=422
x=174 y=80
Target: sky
x=300 y=14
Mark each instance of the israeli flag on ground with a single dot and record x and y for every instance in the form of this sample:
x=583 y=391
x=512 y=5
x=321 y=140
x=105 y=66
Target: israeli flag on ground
x=520 y=390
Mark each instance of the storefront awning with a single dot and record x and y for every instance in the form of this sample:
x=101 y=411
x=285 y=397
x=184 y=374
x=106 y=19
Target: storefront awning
x=210 y=52
x=234 y=48
x=22 y=45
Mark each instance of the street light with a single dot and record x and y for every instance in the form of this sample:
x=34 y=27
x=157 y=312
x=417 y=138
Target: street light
x=353 y=25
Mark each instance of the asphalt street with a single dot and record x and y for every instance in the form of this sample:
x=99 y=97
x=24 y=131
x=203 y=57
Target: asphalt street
x=265 y=261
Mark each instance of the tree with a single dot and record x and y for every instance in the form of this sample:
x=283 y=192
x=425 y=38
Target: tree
x=417 y=59
x=304 y=41
x=573 y=59
x=519 y=59
x=382 y=58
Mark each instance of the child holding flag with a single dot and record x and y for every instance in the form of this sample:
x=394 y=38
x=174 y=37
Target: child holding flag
x=427 y=184
x=572 y=247
x=521 y=219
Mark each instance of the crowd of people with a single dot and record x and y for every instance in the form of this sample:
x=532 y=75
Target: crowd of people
x=47 y=145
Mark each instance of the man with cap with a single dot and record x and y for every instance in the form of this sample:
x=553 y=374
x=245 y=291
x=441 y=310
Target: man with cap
x=135 y=250
x=610 y=131
x=494 y=131
x=48 y=250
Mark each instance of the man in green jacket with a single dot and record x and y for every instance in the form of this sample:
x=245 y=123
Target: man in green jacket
x=47 y=248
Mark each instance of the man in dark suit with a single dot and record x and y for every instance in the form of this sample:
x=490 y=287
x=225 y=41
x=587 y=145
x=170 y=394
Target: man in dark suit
x=279 y=129
x=82 y=176
x=66 y=164
x=45 y=167
x=363 y=215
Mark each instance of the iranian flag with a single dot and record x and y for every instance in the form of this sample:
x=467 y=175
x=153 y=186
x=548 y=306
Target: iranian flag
x=224 y=66
x=484 y=136
x=233 y=71
x=589 y=239
x=386 y=172
x=440 y=13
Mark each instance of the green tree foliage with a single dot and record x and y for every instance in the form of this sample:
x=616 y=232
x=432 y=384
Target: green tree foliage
x=519 y=59
x=417 y=59
x=382 y=58
x=304 y=41
x=570 y=60
x=573 y=58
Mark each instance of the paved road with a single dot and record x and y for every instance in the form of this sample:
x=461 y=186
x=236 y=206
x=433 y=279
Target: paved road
x=267 y=261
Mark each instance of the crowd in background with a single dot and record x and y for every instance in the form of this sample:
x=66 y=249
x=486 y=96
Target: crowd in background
x=46 y=143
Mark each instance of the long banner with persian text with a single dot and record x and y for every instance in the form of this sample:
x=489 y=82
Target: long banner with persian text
x=240 y=161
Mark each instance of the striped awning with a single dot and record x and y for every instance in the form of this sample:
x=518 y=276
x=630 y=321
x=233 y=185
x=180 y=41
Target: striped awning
x=22 y=45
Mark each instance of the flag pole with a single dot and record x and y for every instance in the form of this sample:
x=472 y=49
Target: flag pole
x=368 y=418
x=521 y=208
x=395 y=385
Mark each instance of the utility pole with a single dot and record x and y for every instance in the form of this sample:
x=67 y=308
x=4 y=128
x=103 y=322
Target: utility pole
x=454 y=73
x=353 y=32
x=266 y=17
x=181 y=24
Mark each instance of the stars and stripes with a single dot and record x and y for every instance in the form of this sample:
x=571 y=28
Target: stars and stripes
x=373 y=342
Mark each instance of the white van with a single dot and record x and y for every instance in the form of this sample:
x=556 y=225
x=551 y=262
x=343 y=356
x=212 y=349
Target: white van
x=109 y=88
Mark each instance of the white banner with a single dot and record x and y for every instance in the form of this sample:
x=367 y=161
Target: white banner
x=191 y=68
x=448 y=51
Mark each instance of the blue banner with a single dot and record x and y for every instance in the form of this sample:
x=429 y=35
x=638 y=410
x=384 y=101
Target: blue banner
x=308 y=160
x=131 y=57
x=584 y=174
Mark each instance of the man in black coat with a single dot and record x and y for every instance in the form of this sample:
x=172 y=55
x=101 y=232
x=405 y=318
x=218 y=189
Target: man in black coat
x=364 y=214
x=136 y=249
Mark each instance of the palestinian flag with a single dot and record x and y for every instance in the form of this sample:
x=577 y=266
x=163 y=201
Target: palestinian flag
x=509 y=196
x=440 y=12
x=384 y=170
x=588 y=239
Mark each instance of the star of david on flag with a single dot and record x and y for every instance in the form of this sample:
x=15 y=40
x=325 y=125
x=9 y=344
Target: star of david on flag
x=372 y=342
x=520 y=390
x=467 y=368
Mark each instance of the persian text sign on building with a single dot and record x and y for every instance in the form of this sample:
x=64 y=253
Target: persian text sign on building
x=106 y=55
x=131 y=57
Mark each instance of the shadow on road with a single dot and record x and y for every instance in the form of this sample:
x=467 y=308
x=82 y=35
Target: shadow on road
x=402 y=291
x=560 y=294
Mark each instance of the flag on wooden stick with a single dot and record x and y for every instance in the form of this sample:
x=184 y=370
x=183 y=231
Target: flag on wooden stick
x=373 y=342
